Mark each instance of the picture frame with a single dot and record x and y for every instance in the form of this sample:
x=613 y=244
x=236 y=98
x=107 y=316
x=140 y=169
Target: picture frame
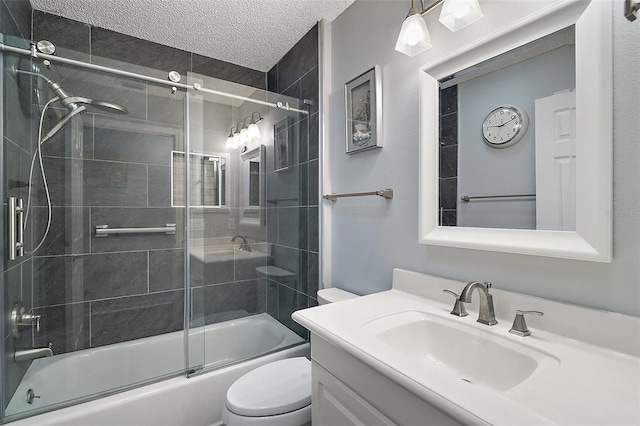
x=282 y=140
x=363 y=101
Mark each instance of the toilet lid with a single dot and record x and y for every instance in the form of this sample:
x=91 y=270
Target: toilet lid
x=275 y=388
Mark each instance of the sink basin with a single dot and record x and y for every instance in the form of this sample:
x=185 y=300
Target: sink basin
x=470 y=353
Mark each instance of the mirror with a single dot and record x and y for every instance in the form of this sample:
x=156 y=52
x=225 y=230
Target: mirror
x=252 y=188
x=209 y=179
x=495 y=123
x=516 y=224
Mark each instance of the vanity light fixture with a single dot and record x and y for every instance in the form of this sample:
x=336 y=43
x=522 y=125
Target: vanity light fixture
x=254 y=131
x=414 y=36
x=242 y=133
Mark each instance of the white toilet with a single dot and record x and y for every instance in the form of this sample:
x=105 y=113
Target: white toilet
x=278 y=393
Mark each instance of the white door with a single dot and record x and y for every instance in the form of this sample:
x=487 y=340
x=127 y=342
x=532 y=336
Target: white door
x=556 y=162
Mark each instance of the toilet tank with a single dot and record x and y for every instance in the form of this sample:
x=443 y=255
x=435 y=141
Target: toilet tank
x=331 y=295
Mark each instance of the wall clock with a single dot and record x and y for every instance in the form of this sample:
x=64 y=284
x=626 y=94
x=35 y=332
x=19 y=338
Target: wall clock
x=504 y=126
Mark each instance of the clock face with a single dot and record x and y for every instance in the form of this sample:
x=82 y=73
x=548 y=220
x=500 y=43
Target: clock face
x=504 y=126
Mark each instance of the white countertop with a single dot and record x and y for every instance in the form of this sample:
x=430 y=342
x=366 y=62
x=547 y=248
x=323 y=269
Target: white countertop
x=588 y=364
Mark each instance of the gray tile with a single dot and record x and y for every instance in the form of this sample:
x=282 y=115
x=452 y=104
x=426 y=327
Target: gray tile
x=15 y=18
x=159 y=190
x=314 y=274
x=66 y=327
x=449 y=100
x=290 y=301
x=314 y=230
x=272 y=79
x=245 y=269
x=196 y=314
x=63 y=33
x=57 y=147
x=314 y=189
x=448 y=193
x=448 y=161
x=292 y=227
x=303 y=140
x=247 y=296
x=228 y=71
x=70 y=279
x=449 y=129
x=129 y=318
x=18 y=122
x=75 y=182
x=12 y=293
x=133 y=146
x=159 y=59
x=206 y=273
x=303 y=198
x=299 y=60
x=309 y=89
x=292 y=260
x=164 y=107
x=449 y=218
x=166 y=270
x=69 y=233
x=272 y=298
x=136 y=218
x=314 y=137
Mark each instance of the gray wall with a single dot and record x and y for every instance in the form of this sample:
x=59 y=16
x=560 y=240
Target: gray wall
x=483 y=170
x=370 y=237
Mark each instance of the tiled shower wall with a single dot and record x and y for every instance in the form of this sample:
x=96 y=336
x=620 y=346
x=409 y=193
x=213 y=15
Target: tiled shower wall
x=292 y=194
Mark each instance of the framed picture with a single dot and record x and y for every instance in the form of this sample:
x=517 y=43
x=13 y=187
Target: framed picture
x=282 y=150
x=363 y=97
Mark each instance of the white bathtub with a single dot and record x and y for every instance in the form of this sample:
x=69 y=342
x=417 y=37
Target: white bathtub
x=175 y=401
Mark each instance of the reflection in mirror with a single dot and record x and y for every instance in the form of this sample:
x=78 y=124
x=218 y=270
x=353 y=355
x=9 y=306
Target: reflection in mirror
x=507 y=140
x=253 y=186
x=209 y=180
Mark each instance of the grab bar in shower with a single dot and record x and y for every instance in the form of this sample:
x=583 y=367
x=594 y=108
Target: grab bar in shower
x=105 y=231
x=479 y=197
x=386 y=193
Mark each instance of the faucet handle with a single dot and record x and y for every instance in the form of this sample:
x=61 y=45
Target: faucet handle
x=458 y=308
x=519 y=326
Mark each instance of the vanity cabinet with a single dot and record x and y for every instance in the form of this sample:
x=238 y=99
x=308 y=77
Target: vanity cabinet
x=346 y=391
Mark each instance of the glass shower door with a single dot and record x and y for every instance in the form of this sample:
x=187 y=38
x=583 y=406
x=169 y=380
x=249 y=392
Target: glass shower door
x=235 y=265
x=102 y=275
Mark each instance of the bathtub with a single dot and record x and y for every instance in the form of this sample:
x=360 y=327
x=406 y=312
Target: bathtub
x=174 y=401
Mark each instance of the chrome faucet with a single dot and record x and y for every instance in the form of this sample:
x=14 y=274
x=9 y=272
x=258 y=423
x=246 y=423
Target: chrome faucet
x=22 y=355
x=244 y=246
x=487 y=314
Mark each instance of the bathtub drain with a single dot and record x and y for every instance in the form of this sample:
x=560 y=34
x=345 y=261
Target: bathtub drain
x=31 y=395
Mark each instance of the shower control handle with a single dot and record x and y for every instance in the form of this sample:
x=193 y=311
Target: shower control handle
x=21 y=319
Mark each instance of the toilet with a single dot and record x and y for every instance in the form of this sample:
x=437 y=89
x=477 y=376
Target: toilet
x=278 y=393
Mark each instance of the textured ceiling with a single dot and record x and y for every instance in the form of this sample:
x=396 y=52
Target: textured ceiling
x=251 y=33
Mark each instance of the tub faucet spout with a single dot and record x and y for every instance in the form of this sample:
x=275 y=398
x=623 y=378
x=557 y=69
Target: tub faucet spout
x=23 y=355
x=487 y=314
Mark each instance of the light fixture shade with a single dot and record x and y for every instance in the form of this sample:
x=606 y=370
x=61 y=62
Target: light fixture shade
x=457 y=14
x=414 y=37
x=253 y=132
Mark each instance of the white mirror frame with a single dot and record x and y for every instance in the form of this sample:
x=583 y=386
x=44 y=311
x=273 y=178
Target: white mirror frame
x=592 y=239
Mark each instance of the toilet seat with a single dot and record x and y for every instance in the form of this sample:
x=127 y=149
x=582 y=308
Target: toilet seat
x=273 y=389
